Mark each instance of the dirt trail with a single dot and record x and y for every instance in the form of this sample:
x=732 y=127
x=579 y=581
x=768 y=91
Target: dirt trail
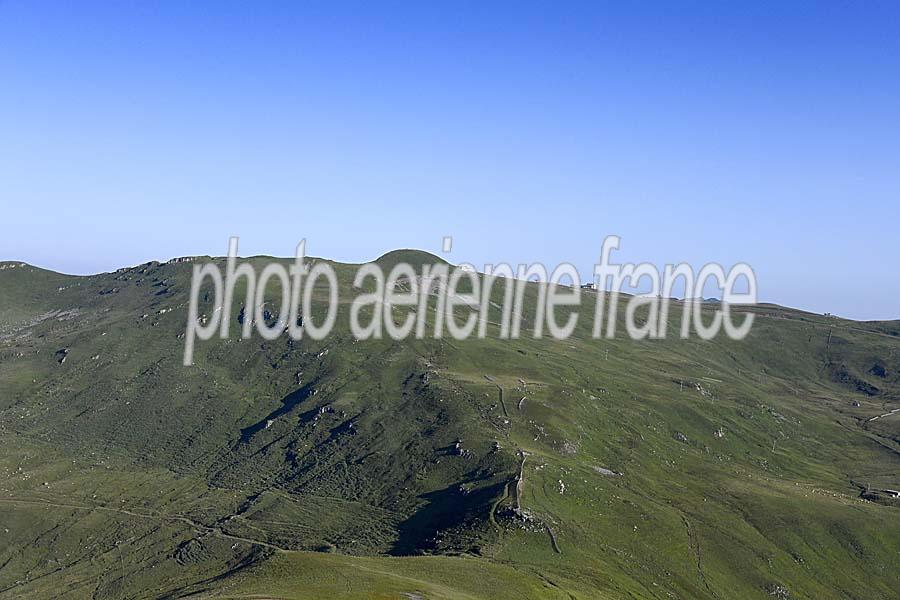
x=500 y=389
x=694 y=546
x=520 y=481
x=553 y=541
x=502 y=403
x=199 y=527
x=499 y=501
x=887 y=414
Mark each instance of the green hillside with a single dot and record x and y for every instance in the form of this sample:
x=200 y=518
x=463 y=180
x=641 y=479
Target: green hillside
x=436 y=468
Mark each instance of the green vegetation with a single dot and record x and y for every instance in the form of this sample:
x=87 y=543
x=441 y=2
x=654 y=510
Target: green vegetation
x=488 y=468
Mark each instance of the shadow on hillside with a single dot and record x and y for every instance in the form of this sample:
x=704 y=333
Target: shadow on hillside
x=444 y=511
x=287 y=405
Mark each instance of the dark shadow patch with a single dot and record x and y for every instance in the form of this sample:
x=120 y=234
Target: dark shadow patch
x=288 y=403
x=879 y=370
x=841 y=374
x=434 y=526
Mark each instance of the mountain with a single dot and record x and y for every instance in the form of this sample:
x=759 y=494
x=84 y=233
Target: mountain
x=436 y=468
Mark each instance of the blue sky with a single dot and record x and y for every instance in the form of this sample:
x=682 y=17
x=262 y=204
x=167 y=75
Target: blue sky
x=768 y=133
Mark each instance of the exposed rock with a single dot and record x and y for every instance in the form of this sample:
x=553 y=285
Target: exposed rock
x=569 y=448
x=605 y=471
x=61 y=355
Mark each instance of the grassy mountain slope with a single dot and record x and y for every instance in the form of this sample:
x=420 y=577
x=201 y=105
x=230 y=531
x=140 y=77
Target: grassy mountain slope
x=483 y=468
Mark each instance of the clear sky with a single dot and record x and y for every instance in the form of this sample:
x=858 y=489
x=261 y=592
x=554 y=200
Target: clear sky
x=697 y=131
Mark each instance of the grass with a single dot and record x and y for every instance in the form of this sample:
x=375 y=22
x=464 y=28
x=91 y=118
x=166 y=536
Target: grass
x=301 y=576
x=741 y=464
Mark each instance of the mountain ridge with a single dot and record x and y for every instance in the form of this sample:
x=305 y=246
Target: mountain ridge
x=530 y=461
x=389 y=259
